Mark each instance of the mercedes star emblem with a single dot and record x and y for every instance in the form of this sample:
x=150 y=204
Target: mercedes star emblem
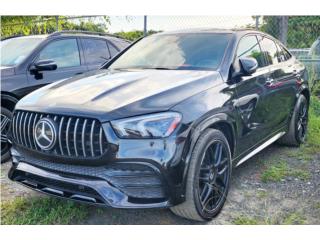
x=45 y=133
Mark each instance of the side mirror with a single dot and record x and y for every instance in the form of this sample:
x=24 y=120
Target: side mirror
x=43 y=65
x=249 y=65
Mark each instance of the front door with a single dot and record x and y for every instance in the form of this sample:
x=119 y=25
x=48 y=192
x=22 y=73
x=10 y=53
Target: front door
x=253 y=97
x=65 y=52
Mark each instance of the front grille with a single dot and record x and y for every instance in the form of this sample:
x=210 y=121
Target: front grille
x=77 y=137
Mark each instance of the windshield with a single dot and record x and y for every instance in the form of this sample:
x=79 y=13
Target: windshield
x=190 y=51
x=15 y=50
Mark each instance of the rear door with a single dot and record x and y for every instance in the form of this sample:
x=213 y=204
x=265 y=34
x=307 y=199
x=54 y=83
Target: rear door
x=252 y=96
x=65 y=52
x=96 y=52
x=281 y=84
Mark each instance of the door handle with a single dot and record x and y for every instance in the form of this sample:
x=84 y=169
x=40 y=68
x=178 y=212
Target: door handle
x=269 y=81
x=78 y=73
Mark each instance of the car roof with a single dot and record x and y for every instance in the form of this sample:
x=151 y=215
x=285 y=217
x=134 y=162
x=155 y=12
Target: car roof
x=88 y=34
x=72 y=34
x=236 y=31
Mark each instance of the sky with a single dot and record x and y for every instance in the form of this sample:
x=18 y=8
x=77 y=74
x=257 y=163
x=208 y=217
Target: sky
x=168 y=23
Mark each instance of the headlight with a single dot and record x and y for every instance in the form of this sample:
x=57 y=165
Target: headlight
x=158 y=125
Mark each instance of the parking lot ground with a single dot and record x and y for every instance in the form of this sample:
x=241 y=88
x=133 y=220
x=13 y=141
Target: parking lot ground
x=280 y=185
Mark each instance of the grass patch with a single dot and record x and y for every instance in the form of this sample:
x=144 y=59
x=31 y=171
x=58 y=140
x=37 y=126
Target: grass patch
x=42 y=210
x=294 y=218
x=262 y=194
x=281 y=170
x=302 y=174
x=275 y=172
x=313 y=139
x=243 y=220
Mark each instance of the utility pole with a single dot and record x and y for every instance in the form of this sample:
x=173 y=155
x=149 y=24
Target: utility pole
x=57 y=23
x=283 y=29
x=144 y=26
x=257 y=22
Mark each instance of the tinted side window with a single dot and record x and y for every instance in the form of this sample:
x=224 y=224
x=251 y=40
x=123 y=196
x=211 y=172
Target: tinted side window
x=121 y=44
x=113 y=50
x=64 y=52
x=269 y=50
x=249 y=47
x=96 y=51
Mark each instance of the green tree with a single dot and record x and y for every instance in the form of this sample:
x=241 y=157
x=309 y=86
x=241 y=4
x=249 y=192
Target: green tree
x=302 y=30
x=134 y=35
x=26 y=25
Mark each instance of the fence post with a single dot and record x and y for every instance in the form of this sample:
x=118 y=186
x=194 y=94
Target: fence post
x=144 y=26
x=257 y=22
x=57 y=23
x=283 y=29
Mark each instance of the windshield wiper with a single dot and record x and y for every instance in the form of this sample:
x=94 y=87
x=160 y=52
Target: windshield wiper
x=145 y=67
x=160 y=68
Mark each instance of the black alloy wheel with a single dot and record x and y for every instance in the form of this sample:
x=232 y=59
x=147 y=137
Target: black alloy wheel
x=208 y=178
x=302 y=122
x=213 y=177
x=5 y=125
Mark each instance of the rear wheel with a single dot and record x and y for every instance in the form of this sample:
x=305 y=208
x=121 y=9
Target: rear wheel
x=298 y=124
x=208 y=178
x=6 y=116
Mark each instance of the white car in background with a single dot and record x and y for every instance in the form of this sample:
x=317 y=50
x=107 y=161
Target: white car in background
x=311 y=58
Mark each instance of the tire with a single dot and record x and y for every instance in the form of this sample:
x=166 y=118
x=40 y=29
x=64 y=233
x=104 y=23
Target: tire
x=193 y=208
x=298 y=125
x=6 y=117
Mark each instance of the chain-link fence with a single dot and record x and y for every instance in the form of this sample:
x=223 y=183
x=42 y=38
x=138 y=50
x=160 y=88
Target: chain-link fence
x=298 y=33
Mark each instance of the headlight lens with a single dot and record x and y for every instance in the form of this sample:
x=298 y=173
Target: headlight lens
x=158 y=125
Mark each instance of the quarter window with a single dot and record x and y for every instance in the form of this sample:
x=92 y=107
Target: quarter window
x=96 y=51
x=64 y=52
x=269 y=50
x=249 y=47
x=113 y=50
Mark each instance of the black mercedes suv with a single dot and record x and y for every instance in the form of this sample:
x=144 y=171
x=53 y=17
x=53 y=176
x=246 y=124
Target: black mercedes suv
x=162 y=124
x=30 y=62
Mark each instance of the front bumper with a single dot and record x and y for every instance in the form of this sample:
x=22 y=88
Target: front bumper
x=146 y=173
x=90 y=188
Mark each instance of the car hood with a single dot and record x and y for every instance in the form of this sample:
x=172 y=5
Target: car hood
x=6 y=71
x=110 y=94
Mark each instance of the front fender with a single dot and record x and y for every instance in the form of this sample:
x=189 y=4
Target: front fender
x=196 y=132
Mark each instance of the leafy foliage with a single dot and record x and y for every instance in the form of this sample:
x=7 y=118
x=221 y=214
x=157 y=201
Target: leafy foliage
x=302 y=30
x=26 y=25
x=134 y=35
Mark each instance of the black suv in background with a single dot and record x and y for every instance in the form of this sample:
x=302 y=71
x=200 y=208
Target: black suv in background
x=26 y=63
x=163 y=122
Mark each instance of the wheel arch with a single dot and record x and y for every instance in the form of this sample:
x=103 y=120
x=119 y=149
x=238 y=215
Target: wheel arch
x=227 y=129
x=305 y=92
x=222 y=122
x=8 y=100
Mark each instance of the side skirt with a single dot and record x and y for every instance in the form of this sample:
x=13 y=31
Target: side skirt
x=261 y=147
